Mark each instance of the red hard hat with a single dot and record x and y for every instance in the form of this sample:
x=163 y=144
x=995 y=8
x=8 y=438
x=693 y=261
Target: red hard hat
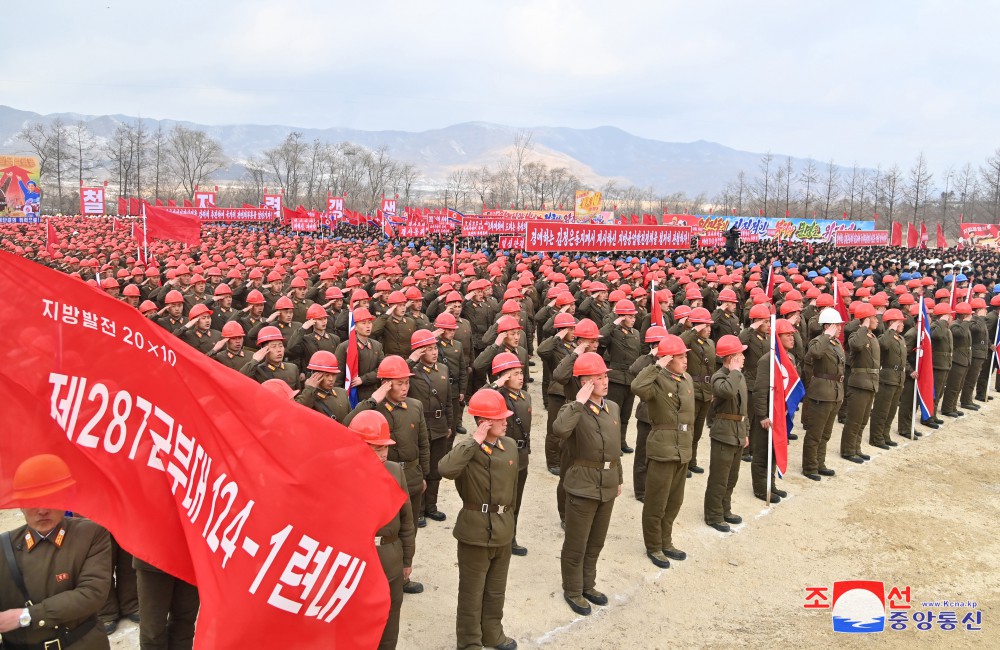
x=727 y=295
x=131 y=290
x=671 y=345
x=505 y=361
x=361 y=315
x=783 y=326
x=586 y=329
x=907 y=299
x=941 y=293
x=198 y=311
x=624 y=308
x=700 y=315
x=453 y=296
x=360 y=294
x=334 y=293
x=279 y=388
x=655 y=334
x=562 y=321
x=255 y=298
x=372 y=427
x=507 y=323
x=892 y=314
x=422 y=339
x=413 y=293
x=824 y=300
x=393 y=367
x=396 y=298
x=597 y=287
x=232 y=329
x=942 y=309
x=995 y=300
x=879 y=300
x=324 y=361
x=41 y=476
x=789 y=307
x=692 y=292
x=760 y=311
x=963 y=308
x=490 y=404
x=863 y=311
x=728 y=345
x=268 y=334
x=284 y=302
x=316 y=312
x=445 y=321
x=223 y=290
x=174 y=297
x=681 y=311
x=297 y=283
x=589 y=363
x=147 y=306
x=564 y=298
x=978 y=303
x=510 y=307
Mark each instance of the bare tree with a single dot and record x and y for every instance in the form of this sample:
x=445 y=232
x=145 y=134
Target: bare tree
x=892 y=190
x=193 y=156
x=82 y=142
x=967 y=186
x=808 y=178
x=831 y=187
x=762 y=187
x=157 y=147
x=919 y=185
x=990 y=174
x=741 y=190
x=285 y=163
x=522 y=145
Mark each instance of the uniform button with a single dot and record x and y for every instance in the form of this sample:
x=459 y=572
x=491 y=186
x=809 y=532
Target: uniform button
x=41 y=623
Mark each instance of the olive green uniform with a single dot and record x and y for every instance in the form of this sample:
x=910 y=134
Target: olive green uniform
x=980 y=356
x=78 y=549
x=591 y=441
x=642 y=428
x=519 y=433
x=961 y=358
x=334 y=403
x=303 y=343
x=563 y=373
x=891 y=378
x=700 y=366
x=724 y=323
x=261 y=371
x=622 y=347
x=942 y=349
x=729 y=433
x=552 y=351
x=824 y=380
x=369 y=356
x=670 y=402
x=486 y=479
x=394 y=334
x=865 y=354
x=395 y=543
x=983 y=383
x=199 y=340
x=452 y=353
x=230 y=360
x=430 y=386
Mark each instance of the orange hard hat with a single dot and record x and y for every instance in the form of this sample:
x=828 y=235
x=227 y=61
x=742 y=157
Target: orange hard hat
x=41 y=476
x=727 y=295
x=361 y=315
x=396 y=298
x=147 y=306
x=507 y=323
x=323 y=361
x=562 y=321
x=564 y=298
x=280 y=388
x=422 y=339
x=655 y=334
x=198 y=311
x=131 y=290
x=446 y=321
x=589 y=363
x=586 y=329
x=174 y=297
x=490 y=404
x=729 y=344
x=255 y=297
x=943 y=309
x=700 y=315
x=232 y=330
x=783 y=326
x=268 y=334
x=681 y=311
x=373 y=428
x=760 y=311
x=625 y=308
x=393 y=367
x=963 y=308
x=510 y=307
x=790 y=307
x=891 y=315
x=864 y=310
x=223 y=290
x=671 y=345
x=316 y=312
x=284 y=302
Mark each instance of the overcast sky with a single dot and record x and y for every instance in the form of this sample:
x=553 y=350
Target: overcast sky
x=872 y=82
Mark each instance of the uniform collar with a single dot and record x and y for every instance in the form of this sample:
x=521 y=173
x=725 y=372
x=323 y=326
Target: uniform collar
x=33 y=538
x=597 y=408
x=389 y=406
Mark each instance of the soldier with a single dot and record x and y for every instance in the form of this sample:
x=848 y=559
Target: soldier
x=480 y=313
x=596 y=306
x=430 y=386
x=863 y=351
x=942 y=349
x=484 y=468
x=906 y=399
x=755 y=337
x=590 y=430
x=370 y=355
x=622 y=348
x=824 y=380
x=654 y=334
x=701 y=367
x=961 y=359
x=198 y=332
x=250 y=316
x=452 y=352
x=320 y=392
x=301 y=304
x=508 y=338
x=394 y=328
x=229 y=350
x=763 y=452
x=168 y=608
x=408 y=429
x=313 y=336
x=396 y=540
x=268 y=361
x=57 y=572
x=668 y=394
x=552 y=351
x=989 y=369
x=509 y=383
x=222 y=311
x=724 y=320
x=891 y=378
x=729 y=433
x=172 y=315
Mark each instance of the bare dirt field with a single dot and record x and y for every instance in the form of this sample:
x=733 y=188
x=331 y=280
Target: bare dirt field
x=922 y=515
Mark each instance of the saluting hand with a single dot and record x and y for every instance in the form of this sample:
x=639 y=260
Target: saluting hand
x=500 y=337
x=503 y=378
x=260 y=354
x=315 y=379
x=308 y=324
x=580 y=349
x=663 y=361
x=274 y=315
x=586 y=390
x=381 y=392
x=618 y=321
x=221 y=344
x=479 y=435
x=438 y=333
x=416 y=354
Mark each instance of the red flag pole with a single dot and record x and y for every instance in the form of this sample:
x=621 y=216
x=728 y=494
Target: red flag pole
x=770 y=408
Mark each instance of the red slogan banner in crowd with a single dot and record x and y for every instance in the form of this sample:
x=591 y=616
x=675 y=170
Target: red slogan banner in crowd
x=92 y=200
x=542 y=236
x=226 y=214
x=269 y=507
x=486 y=226
x=511 y=242
x=845 y=238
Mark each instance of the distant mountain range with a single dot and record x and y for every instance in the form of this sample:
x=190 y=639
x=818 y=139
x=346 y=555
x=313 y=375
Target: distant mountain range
x=594 y=155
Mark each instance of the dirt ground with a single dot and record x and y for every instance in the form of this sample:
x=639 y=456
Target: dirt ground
x=921 y=515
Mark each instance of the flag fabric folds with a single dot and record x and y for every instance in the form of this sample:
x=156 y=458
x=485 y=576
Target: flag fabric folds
x=51 y=237
x=352 y=360
x=925 y=369
x=788 y=394
x=897 y=234
x=161 y=224
x=941 y=241
x=912 y=236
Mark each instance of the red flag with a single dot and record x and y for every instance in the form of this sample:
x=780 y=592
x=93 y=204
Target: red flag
x=788 y=394
x=897 y=234
x=159 y=203
x=51 y=238
x=122 y=206
x=925 y=364
x=912 y=236
x=200 y=482
x=171 y=203
x=838 y=304
x=134 y=207
x=387 y=227
x=635 y=220
x=649 y=219
x=161 y=224
x=770 y=281
x=188 y=204
x=923 y=235
x=655 y=312
x=941 y=241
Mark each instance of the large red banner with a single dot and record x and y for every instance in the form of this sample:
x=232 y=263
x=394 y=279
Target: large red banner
x=204 y=199
x=980 y=234
x=269 y=507
x=304 y=222
x=226 y=214
x=485 y=226
x=165 y=224
x=544 y=236
x=92 y=200
x=335 y=208
x=511 y=242
x=861 y=238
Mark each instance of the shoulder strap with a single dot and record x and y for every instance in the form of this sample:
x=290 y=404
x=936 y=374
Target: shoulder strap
x=15 y=571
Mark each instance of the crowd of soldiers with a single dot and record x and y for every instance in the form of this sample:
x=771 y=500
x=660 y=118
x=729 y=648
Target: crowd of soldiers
x=679 y=344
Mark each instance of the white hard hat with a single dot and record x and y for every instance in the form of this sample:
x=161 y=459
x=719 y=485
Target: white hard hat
x=830 y=316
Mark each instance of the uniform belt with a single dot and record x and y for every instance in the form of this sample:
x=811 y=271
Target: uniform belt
x=867 y=371
x=385 y=540
x=403 y=463
x=521 y=444
x=730 y=416
x=486 y=507
x=434 y=414
x=702 y=379
x=593 y=464
x=679 y=427
x=451 y=380
x=823 y=375
x=64 y=640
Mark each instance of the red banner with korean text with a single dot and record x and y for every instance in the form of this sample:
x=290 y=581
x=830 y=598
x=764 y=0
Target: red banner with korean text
x=273 y=202
x=305 y=222
x=268 y=507
x=511 y=243
x=225 y=214
x=335 y=208
x=485 y=226
x=843 y=238
x=711 y=240
x=986 y=235
x=204 y=199
x=546 y=236
x=92 y=200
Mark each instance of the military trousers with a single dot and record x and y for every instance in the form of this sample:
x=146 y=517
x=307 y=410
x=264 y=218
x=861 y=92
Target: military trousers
x=565 y=462
x=751 y=416
x=390 y=634
x=587 y=522
x=858 y=413
x=819 y=428
x=761 y=451
x=168 y=609
x=457 y=412
x=621 y=394
x=723 y=472
x=123 y=597
x=940 y=378
x=971 y=380
x=848 y=390
x=664 y=495
x=553 y=443
x=700 y=414
x=482 y=588
x=983 y=383
x=639 y=465
x=439 y=447
x=522 y=478
x=884 y=412
x=953 y=387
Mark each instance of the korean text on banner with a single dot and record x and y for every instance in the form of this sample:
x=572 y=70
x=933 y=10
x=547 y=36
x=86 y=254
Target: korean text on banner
x=541 y=237
x=861 y=238
x=588 y=205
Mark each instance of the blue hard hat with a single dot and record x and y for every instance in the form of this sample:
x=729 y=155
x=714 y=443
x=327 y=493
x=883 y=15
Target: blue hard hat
x=697 y=260
x=430 y=248
x=904 y=277
x=996 y=288
x=576 y=257
x=738 y=265
x=628 y=260
x=710 y=263
x=915 y=275
x=868 y=272
x=948 y=277
x=961 y=278
x=410 y=245
x=729 y=262
x=812 y=274
x=653 y=260
x=793 y=265
x=856 y=273
x=679 y=260
x=776 y=264
x=824 y=271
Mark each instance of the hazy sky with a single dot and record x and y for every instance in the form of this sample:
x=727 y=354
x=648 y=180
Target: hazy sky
x=872 y=82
